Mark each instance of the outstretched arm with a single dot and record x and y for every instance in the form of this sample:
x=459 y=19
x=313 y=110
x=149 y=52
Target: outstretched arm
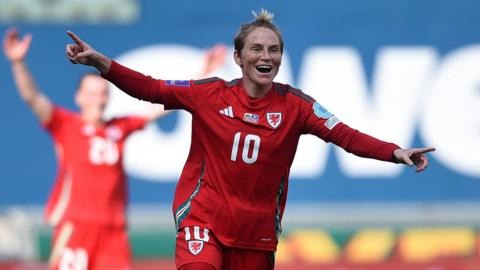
x=363 y=145
x=15 y=50
x=82 y=53
x=413 y=157
x=129 y=81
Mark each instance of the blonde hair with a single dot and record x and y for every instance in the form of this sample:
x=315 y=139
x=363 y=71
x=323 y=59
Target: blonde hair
x=263 y=19
x=265 y=16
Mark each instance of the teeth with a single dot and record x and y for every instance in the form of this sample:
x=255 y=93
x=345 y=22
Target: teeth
x=264 y=68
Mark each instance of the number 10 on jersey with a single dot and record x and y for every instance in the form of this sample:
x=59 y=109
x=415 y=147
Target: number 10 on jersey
x=250 y=139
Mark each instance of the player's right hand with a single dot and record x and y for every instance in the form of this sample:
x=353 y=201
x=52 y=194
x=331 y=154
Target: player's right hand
x=16 y=49
x=80 y=52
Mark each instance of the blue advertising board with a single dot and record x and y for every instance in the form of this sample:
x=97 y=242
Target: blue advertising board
x=404 y=71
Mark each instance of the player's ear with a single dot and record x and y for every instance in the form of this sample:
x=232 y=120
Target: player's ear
x=238 y=60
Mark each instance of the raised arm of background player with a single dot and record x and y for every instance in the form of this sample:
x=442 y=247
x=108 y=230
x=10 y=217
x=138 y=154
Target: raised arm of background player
x=82 y=53
x=15 y=50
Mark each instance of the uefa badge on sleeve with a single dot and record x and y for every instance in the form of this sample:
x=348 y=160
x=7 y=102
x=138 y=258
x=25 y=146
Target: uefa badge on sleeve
x=321 y=112
x=274 y=119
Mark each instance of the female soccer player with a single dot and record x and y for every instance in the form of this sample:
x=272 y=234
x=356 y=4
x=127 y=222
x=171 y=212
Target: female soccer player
x=231 y=195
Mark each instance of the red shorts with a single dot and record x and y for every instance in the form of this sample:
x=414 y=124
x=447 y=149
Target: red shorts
x=199 y=245
x=89 y=247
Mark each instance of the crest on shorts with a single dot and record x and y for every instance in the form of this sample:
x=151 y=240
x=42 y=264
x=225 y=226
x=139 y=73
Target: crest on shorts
x=274 y=119
x=195 y=246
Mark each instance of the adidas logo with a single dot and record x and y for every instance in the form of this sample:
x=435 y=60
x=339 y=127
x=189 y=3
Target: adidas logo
x=227 y=111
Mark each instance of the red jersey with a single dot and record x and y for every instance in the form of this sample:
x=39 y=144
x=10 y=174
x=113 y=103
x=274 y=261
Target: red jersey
x=235 y=179
x=90 y=185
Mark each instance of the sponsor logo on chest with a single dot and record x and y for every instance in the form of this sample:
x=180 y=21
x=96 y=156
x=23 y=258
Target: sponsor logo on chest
x=228 y=111
x=251 y=118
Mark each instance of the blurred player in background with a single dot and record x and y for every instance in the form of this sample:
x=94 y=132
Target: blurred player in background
x=88 y=202
x=230 y=198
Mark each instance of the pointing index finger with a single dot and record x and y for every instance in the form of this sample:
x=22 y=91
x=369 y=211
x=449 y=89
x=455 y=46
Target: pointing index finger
x=425 y=150
x=75 y=38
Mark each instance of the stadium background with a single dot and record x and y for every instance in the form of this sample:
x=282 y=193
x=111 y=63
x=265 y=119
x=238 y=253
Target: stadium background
x=414 y=63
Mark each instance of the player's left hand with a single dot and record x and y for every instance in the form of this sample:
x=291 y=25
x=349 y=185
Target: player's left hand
x=214 y=59
x=413 y=157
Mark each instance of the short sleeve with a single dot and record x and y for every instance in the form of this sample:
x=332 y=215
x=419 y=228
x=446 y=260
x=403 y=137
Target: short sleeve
x=59 y=117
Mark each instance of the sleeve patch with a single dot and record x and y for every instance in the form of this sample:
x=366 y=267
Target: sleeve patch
x=183 y=83
x=321 y=112
x=332 y=122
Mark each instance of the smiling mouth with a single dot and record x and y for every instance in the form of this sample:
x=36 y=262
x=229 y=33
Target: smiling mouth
x=264 y=68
